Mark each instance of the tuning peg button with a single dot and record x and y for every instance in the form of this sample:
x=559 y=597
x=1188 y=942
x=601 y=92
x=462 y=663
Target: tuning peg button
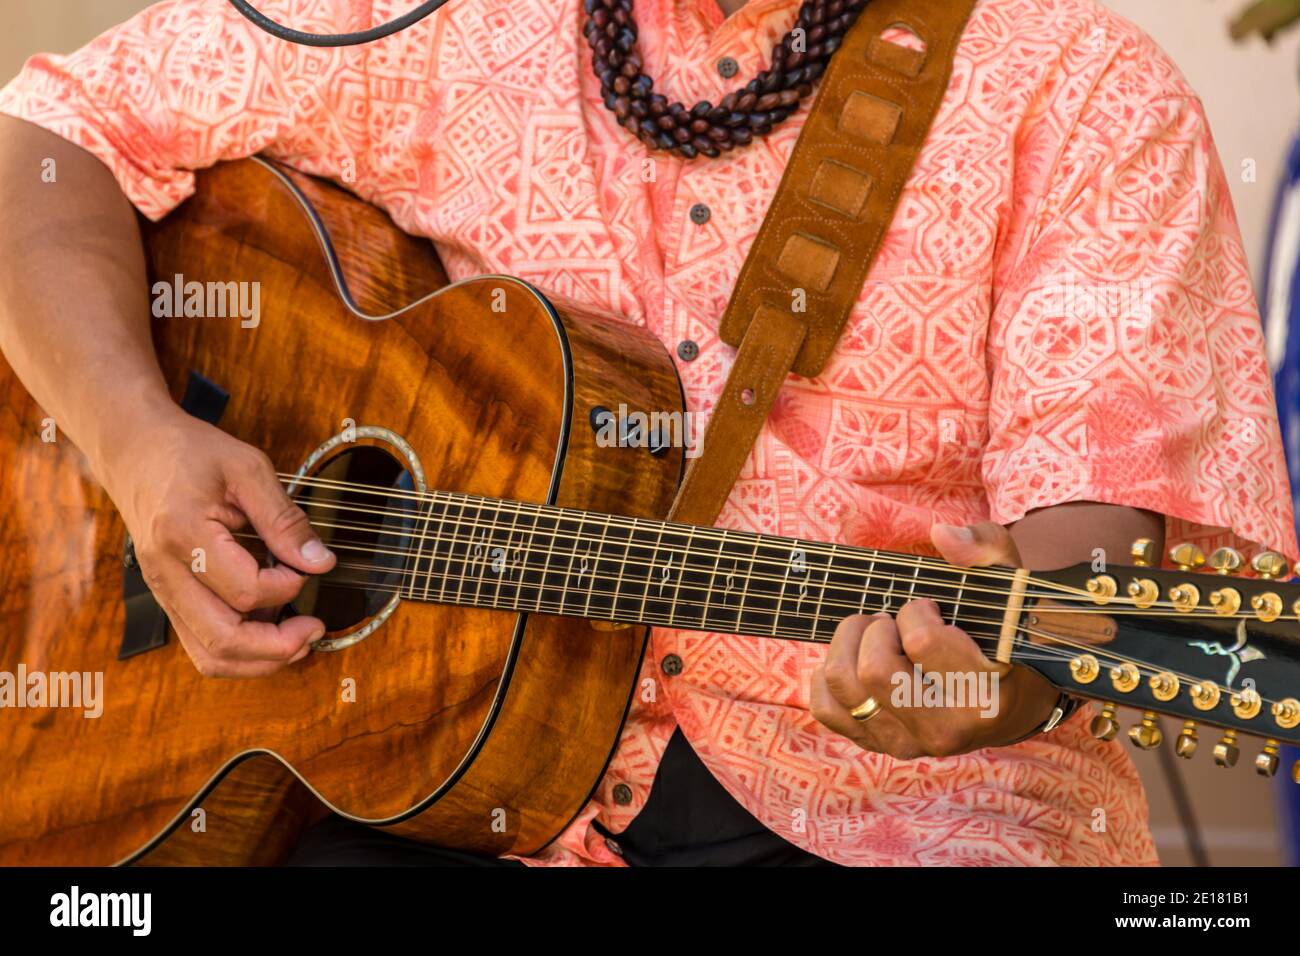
x=1266 y=762
x=1185 y=746
x=1188 y=557
x=1104 y=726
x=1269 y=565
x=1226 y=750
x=1146 y=735
x=1143 y=553
x=1226 y=560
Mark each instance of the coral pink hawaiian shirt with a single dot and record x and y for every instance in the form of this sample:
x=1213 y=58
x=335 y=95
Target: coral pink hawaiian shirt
x=1061 y=311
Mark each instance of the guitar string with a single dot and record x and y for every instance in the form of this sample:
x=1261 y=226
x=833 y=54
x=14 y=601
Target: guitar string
x=1145 y=668
x=414 y=575
x=523 y=605
x=1061 y=591
x=509 y=506
x=1161 y=608
x=589 y=592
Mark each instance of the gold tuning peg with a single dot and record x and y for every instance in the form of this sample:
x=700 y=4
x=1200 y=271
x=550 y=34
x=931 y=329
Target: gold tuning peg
x=1226 y=560
x=1185 y=746
x=1104 y=726
x=1146 y=735
x=1266 y=762
x=1286 y=712
x=1187 y=556
x=1143 y=552
x=1226 y=750
x=1246 y=703
x=1269 y=565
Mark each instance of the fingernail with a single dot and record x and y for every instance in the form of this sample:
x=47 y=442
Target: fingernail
x=316 y=635
x=961 y=532
x=315 y=552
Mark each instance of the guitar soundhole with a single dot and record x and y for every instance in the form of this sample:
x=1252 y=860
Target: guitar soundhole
x=362 y=504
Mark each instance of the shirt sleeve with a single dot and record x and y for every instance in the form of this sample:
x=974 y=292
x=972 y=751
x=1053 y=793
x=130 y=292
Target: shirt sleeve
x=187 y=83
x=1125 y=352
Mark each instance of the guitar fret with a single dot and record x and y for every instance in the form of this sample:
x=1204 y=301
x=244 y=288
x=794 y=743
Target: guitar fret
x=654 y=560
x=411 y=573
x=456 y=541
x=503 y=575
x=481 y=549
x=595 y=574
x=713 y=579
x=744 y=594
x=572 y=539
x=797 y=558
x=956 y=603
x=546 y=566
x=442 y=536
x=821 y=598
x=691 y=613
x=866 y=585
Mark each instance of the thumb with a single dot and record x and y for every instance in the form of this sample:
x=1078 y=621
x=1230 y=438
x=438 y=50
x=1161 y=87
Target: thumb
x=976 y=545
x=281 y=524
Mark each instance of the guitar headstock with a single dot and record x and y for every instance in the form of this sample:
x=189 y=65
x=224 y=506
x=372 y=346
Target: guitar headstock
x=1214 y=640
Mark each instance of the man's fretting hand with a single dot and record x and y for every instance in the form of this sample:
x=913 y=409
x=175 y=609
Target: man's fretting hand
x=870 y=653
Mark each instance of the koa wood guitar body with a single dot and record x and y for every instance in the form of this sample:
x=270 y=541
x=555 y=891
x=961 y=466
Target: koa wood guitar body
x=470 y=727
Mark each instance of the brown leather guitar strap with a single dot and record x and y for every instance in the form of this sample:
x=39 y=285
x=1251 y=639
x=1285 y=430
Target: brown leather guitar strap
x=821 y=233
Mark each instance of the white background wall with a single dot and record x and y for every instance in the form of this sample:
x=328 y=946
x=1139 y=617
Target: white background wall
x=1251 y=92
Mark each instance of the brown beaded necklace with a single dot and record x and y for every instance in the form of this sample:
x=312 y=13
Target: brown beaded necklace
x=753 y=110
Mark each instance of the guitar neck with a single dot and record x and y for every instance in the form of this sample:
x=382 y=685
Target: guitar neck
x=544 y=559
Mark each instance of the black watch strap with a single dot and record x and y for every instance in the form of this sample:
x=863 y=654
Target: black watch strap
x=1064 y=707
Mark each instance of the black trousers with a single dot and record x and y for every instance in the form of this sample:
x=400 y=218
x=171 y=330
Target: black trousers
x=688 y=820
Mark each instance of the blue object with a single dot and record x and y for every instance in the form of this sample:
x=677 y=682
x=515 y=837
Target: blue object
x=1283 y=331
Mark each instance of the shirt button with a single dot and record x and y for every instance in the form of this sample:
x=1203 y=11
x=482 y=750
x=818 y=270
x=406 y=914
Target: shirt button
x=687 y=350
x=671 y=665
x=727 y=67
x=700 y=214
x=613 y=847
x=622 y=794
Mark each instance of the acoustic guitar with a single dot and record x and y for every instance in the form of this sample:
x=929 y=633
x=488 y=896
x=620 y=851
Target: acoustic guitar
x=500 y=562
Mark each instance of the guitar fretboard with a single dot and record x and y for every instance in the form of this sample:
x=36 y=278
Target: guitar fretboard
x=543 y=559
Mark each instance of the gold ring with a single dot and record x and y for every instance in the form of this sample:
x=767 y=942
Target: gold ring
x=865 y=710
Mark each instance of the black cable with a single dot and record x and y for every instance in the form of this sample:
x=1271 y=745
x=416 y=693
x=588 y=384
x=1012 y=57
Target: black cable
x=336 y=39
x=1183 y=807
